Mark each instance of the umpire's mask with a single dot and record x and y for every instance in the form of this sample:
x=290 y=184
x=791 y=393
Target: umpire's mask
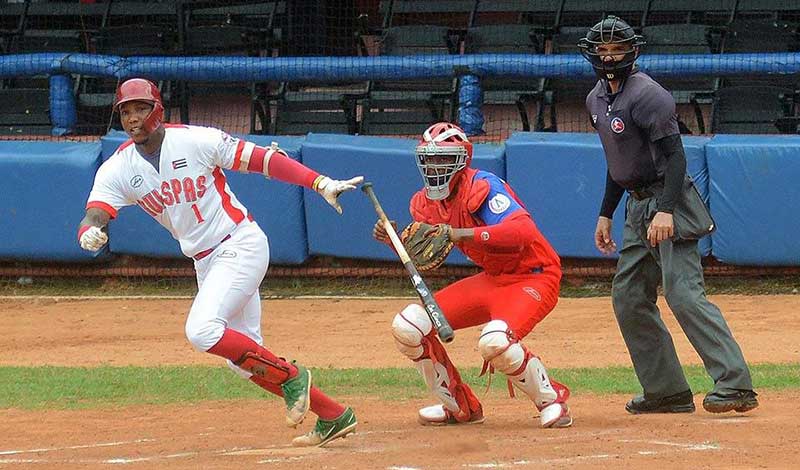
x=611 y=30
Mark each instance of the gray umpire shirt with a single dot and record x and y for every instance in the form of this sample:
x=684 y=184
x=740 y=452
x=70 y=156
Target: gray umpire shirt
x=629 y=122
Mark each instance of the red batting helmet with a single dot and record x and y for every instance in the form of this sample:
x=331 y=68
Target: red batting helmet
x=442 y=139
x=139 y=89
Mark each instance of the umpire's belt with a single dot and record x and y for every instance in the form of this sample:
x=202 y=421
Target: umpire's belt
x=640 y=194
x=646 y=191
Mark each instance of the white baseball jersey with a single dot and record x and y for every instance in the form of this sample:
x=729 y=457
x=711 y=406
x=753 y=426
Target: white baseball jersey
x=188 y=195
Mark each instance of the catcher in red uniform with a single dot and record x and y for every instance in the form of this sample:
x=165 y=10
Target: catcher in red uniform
x=518 y=287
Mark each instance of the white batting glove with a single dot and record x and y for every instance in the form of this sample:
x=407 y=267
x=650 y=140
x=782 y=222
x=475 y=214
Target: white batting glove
x=93 y=239
x=330 y=189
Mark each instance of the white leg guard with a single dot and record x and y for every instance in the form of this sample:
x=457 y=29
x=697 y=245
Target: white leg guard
x=409 y=328
x=526 y=372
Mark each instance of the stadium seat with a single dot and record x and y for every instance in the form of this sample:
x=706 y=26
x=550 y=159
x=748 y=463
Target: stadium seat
x=502 y=38
x=508 y=38
x=585 y=13
x=400 y=113
x=567 y=93
x=392 y=103
x=455 y=14
x=25 y=111
x=683 y=39
x=759 y=36
x=32 y=41
x=256 y=15
x=541 y=15
x=223 y=39
x=12 y=18
x=54 y=17
x=750 y=109
x=136 y=40
x=780 y=11
x=212 y=32
x=705 y=12
x=743 y=36
x=320 y=112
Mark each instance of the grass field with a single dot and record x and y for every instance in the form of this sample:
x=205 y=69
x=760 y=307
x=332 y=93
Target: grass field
x=97 y=387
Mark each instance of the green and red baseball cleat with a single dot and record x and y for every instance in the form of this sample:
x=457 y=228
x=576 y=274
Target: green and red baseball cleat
x=325 y=431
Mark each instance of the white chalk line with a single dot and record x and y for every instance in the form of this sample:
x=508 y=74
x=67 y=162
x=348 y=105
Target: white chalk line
x=123 y=460
x=519 y=463
x=686 y=446
x=674 y=447
x=82 y=446
x=112 y=461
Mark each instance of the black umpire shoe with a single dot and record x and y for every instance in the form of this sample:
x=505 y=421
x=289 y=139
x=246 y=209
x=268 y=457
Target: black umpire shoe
x=682 y=402
x=733 y=400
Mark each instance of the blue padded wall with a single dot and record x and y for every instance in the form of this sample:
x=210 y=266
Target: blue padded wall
x=561 y=179
x=46 y=185
x=389 y=164
x=276 y=206
x=697 y=167
x=753 y=194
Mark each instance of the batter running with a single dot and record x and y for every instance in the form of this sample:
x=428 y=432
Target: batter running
x=175 y=174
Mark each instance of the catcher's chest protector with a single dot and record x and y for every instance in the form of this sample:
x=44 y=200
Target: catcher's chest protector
x=457 y=212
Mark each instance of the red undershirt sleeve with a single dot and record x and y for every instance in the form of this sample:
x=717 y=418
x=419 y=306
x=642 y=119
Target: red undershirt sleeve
x=282 y=168
x=512 y=232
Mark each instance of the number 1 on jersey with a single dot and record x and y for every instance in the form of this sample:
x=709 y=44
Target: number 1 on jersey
x=197 y=214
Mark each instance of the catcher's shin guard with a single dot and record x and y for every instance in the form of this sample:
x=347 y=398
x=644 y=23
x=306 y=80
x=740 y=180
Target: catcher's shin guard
x=414 y=336
x=503 y=351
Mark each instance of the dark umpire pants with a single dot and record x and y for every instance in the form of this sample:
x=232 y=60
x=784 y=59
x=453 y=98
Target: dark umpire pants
x=677 y=265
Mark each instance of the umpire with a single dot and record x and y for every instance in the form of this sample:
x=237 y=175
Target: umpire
x=665 y=216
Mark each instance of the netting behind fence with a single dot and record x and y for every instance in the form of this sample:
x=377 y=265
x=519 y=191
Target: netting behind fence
x=377 y=97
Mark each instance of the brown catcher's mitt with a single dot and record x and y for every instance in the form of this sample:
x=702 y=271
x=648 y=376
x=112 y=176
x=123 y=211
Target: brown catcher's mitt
x=427 y=245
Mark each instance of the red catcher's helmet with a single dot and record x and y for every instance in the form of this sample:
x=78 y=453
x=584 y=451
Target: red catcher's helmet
x=442 y=153
x=139 y=89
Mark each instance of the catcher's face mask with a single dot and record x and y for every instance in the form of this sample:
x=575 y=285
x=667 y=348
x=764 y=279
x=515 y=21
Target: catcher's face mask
x=438 y=165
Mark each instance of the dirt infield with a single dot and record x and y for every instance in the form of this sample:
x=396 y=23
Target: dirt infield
x=355 y=333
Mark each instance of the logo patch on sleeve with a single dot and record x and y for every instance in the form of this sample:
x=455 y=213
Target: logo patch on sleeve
x=499 y=203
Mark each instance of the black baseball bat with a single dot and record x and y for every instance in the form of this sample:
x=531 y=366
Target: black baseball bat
x=443 y=328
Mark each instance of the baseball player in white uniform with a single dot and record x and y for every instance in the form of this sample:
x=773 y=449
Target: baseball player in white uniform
x=176 y=174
